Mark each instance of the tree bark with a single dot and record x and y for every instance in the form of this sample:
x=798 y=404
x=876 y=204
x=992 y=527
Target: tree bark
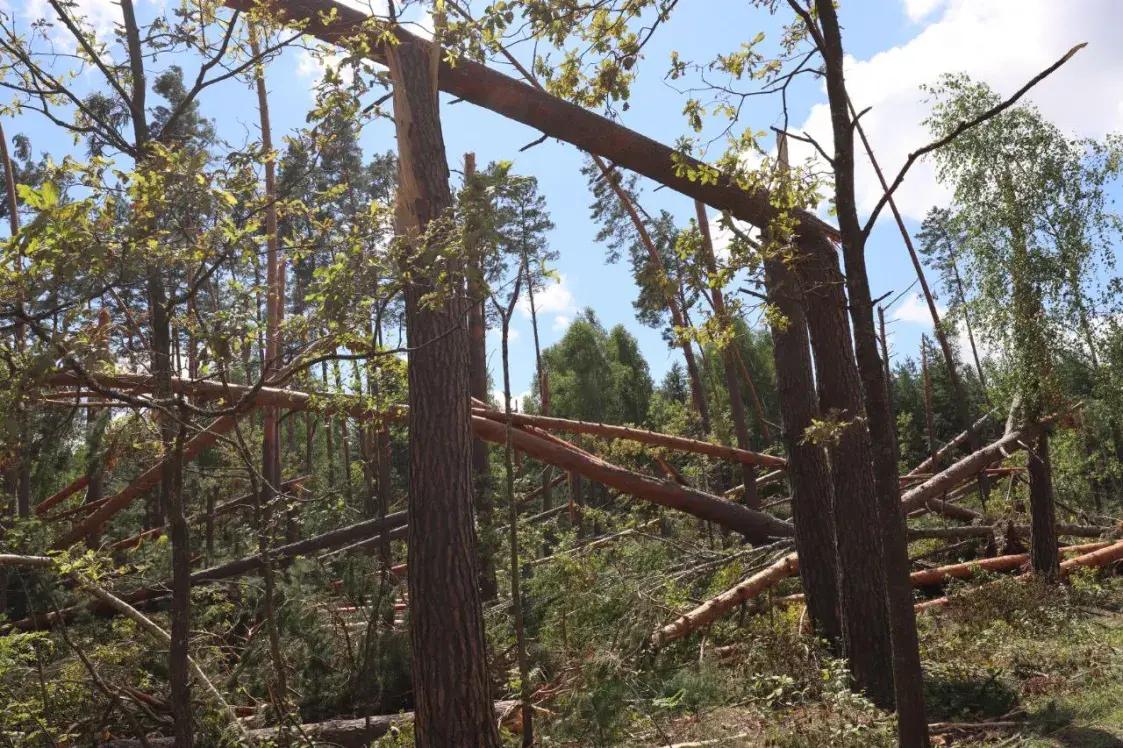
x=450 y=678
x=907 y=673
x=861 y=585
x=808 y=471
x=716 y=607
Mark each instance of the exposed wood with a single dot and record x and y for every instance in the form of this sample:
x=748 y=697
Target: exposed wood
x=715 y=607
x=1100 y=557
x=969 y=466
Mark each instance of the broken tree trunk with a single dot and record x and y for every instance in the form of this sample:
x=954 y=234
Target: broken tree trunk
x=948 y=448
x=753 y=524
x=756 y=526
x=557 y=118
x=714 y=608
x=639 y=435
x=971 y=465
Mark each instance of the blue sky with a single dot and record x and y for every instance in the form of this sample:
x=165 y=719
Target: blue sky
x=896 y=45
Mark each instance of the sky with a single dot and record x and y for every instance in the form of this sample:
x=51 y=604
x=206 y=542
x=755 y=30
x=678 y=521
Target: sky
x=893 y=48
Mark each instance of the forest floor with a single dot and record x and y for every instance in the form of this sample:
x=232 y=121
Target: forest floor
x=1022 y=665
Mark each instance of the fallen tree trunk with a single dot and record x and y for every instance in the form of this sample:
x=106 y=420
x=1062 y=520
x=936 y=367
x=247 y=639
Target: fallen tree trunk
x=953 y=511
x=610 y=431
x=983 y=531
x=998 y=563
x=714 y=608
x=358 y=732
x=948 y=448
x=62 y=495
x=219 y=511
x=344 y=26
x=360 y=531
x=359 y=534
x=1104 y=554
x=756 y=526
x=970 y=466
x=149 y=479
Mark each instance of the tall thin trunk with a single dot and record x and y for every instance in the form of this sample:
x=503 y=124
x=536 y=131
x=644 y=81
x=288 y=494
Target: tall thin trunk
x=543 y=379
x=908 y=675
x=959 y=392
x=344 y=440
x=450 y=677
x=729 y=360
x=170 y=500
x=808 y=471
x=271 y=433
x=513 y=525
x=22 y=461
x=329 y=430
x=929 y=415
x=477 y=370
x=1032 y=352
x=970 y=330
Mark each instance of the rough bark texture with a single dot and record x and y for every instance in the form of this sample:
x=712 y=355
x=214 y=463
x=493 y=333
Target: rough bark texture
x=907 y=673
x=1045 y=560
x=450 y=679
x=808 y=471
x=865 y=617
x=756 y=526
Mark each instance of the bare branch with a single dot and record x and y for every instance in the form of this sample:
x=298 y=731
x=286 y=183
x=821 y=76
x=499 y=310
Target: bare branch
x=961 y=128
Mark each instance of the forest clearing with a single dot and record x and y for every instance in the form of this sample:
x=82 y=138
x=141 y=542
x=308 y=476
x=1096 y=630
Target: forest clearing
x=446 y=373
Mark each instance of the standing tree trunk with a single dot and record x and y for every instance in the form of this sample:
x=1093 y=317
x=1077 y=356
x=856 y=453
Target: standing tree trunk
x=471 y=205
x=271 y=432
x=808 y=472
x=450 y=677
x=170 y=498
x=729 y=360
x=865 y=616
x=907 y=673
x=1032 y=356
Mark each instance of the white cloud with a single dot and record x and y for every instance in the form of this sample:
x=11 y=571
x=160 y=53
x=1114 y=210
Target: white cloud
x=918 y=10
x=517 y=399
x=1000 y=42
x=555 y=298
x=562 y=323
x=99 y=15
x=915 y=310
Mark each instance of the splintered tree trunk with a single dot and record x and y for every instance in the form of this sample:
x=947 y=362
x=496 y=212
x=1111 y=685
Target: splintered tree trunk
x=729 y=360
x=865 y=616
x=450 y=677
x=908 y=676
x=808 y=472
x=477 y=373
